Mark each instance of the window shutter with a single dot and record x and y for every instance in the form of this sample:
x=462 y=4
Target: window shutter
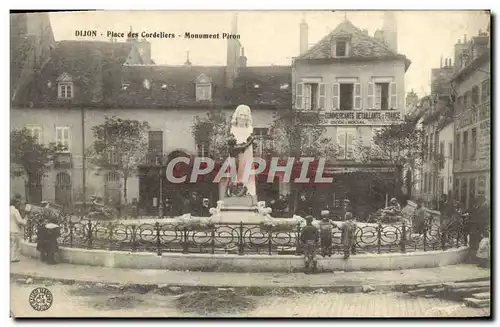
x=299 y=96
x=350 y=146
x=322 y=96
x=357 y=96
x=394 y=96
x=341 y=145
x=335 y=96
x=371 y=89
x=307 y=97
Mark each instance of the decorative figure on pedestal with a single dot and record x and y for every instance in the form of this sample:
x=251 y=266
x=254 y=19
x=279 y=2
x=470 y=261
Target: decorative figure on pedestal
x=241 y=148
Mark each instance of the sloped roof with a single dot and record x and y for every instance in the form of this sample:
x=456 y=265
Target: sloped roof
x=76 y=57
x=169 y=86
x=264 y=85
x=175 y=86
x=362 y=46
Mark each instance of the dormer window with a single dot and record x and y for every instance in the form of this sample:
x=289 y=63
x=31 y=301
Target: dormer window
x=65 y=86
x=203 y=88
x=341 y=47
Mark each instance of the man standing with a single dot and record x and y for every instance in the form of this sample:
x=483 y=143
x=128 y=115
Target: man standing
x=309 y=237
x=479 y=222
x=17 y=224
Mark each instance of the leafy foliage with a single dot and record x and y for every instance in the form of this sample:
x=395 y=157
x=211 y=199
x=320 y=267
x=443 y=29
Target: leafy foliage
x=401 y=145
x=120 y=145
x=289 y=138
x=211 y=131
x=28 y=157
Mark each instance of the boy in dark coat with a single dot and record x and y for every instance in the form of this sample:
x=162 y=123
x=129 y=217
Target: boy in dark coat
x=47 y=235
x=309 y=238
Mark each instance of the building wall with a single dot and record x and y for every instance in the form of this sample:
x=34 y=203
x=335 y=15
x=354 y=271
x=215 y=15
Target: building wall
x=446 y=137
x=364 y=72
x=472 y=175
x=175 y=123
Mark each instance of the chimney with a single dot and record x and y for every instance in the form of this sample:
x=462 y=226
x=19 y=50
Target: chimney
x=459 y=49
x=243 y=59
x=379 y=35
x=304 y=35
x=390 y=29
x=441 y=62
x=187 y=63
x=233 y=52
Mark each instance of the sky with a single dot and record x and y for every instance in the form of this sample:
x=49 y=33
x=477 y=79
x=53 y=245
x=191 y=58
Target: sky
x=272 y=37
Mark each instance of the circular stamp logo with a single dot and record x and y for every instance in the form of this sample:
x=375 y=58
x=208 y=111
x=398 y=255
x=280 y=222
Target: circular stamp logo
x=41 y=299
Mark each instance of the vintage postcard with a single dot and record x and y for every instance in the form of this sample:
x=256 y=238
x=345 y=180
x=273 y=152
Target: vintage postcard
x=250 y=164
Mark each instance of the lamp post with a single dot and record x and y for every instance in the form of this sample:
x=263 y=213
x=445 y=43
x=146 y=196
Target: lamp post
x=160 y=204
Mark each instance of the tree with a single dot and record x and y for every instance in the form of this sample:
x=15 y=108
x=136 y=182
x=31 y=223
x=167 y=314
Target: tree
x=210 y=134
x=30 y=158
x=289 y=137
x=401 y=145
x=119 y=145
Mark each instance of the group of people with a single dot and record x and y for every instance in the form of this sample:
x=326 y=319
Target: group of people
x=312 y=237
x=48 y=231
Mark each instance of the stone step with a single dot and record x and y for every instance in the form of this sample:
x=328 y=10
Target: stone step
x=481 y=296
x=476 y=303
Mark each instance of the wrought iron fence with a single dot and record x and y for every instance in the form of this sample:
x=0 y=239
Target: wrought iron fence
x=249 y=238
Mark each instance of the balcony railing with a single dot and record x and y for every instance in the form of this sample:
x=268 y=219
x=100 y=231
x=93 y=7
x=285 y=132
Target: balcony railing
x=63 y=160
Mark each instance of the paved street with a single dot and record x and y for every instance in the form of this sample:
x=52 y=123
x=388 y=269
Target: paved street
x=79 y=301
x=35 y=268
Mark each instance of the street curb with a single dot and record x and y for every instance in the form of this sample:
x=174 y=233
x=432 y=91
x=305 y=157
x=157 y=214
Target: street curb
x=178 y=288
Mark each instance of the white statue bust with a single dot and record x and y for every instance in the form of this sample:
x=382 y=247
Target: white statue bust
x=241 y=130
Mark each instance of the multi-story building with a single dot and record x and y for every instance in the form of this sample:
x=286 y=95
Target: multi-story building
x=82 y=82
x=438 y=126
x=471 y=90
x=355 y=83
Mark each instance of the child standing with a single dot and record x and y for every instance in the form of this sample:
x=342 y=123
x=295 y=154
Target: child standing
x=47 y=235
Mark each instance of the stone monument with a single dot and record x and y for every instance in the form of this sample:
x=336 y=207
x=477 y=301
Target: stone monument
x=238 y=196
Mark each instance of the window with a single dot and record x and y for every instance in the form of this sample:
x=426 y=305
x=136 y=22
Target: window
x=203 y=149
x=460 y=105
x=473 y=140
x=203 y=92
x=475 y=95
x=36 y=132
x=441 y=152
x=112 y=156
x=375 y=150
x=465 y=145
x=472 y=191
x=341 y=48
x=426 y=147
x=456 y=188
x=450 y=150
x=261 y=136
x=467 y=100
x=382 y=95
x=485 y=91
x=63 y=138
x=346 y=96
x=457 y=147
x=155 y=142
x=65 y=90
x=430 y=150
x=310 y=96
x=426 y=182
x=345 y=141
